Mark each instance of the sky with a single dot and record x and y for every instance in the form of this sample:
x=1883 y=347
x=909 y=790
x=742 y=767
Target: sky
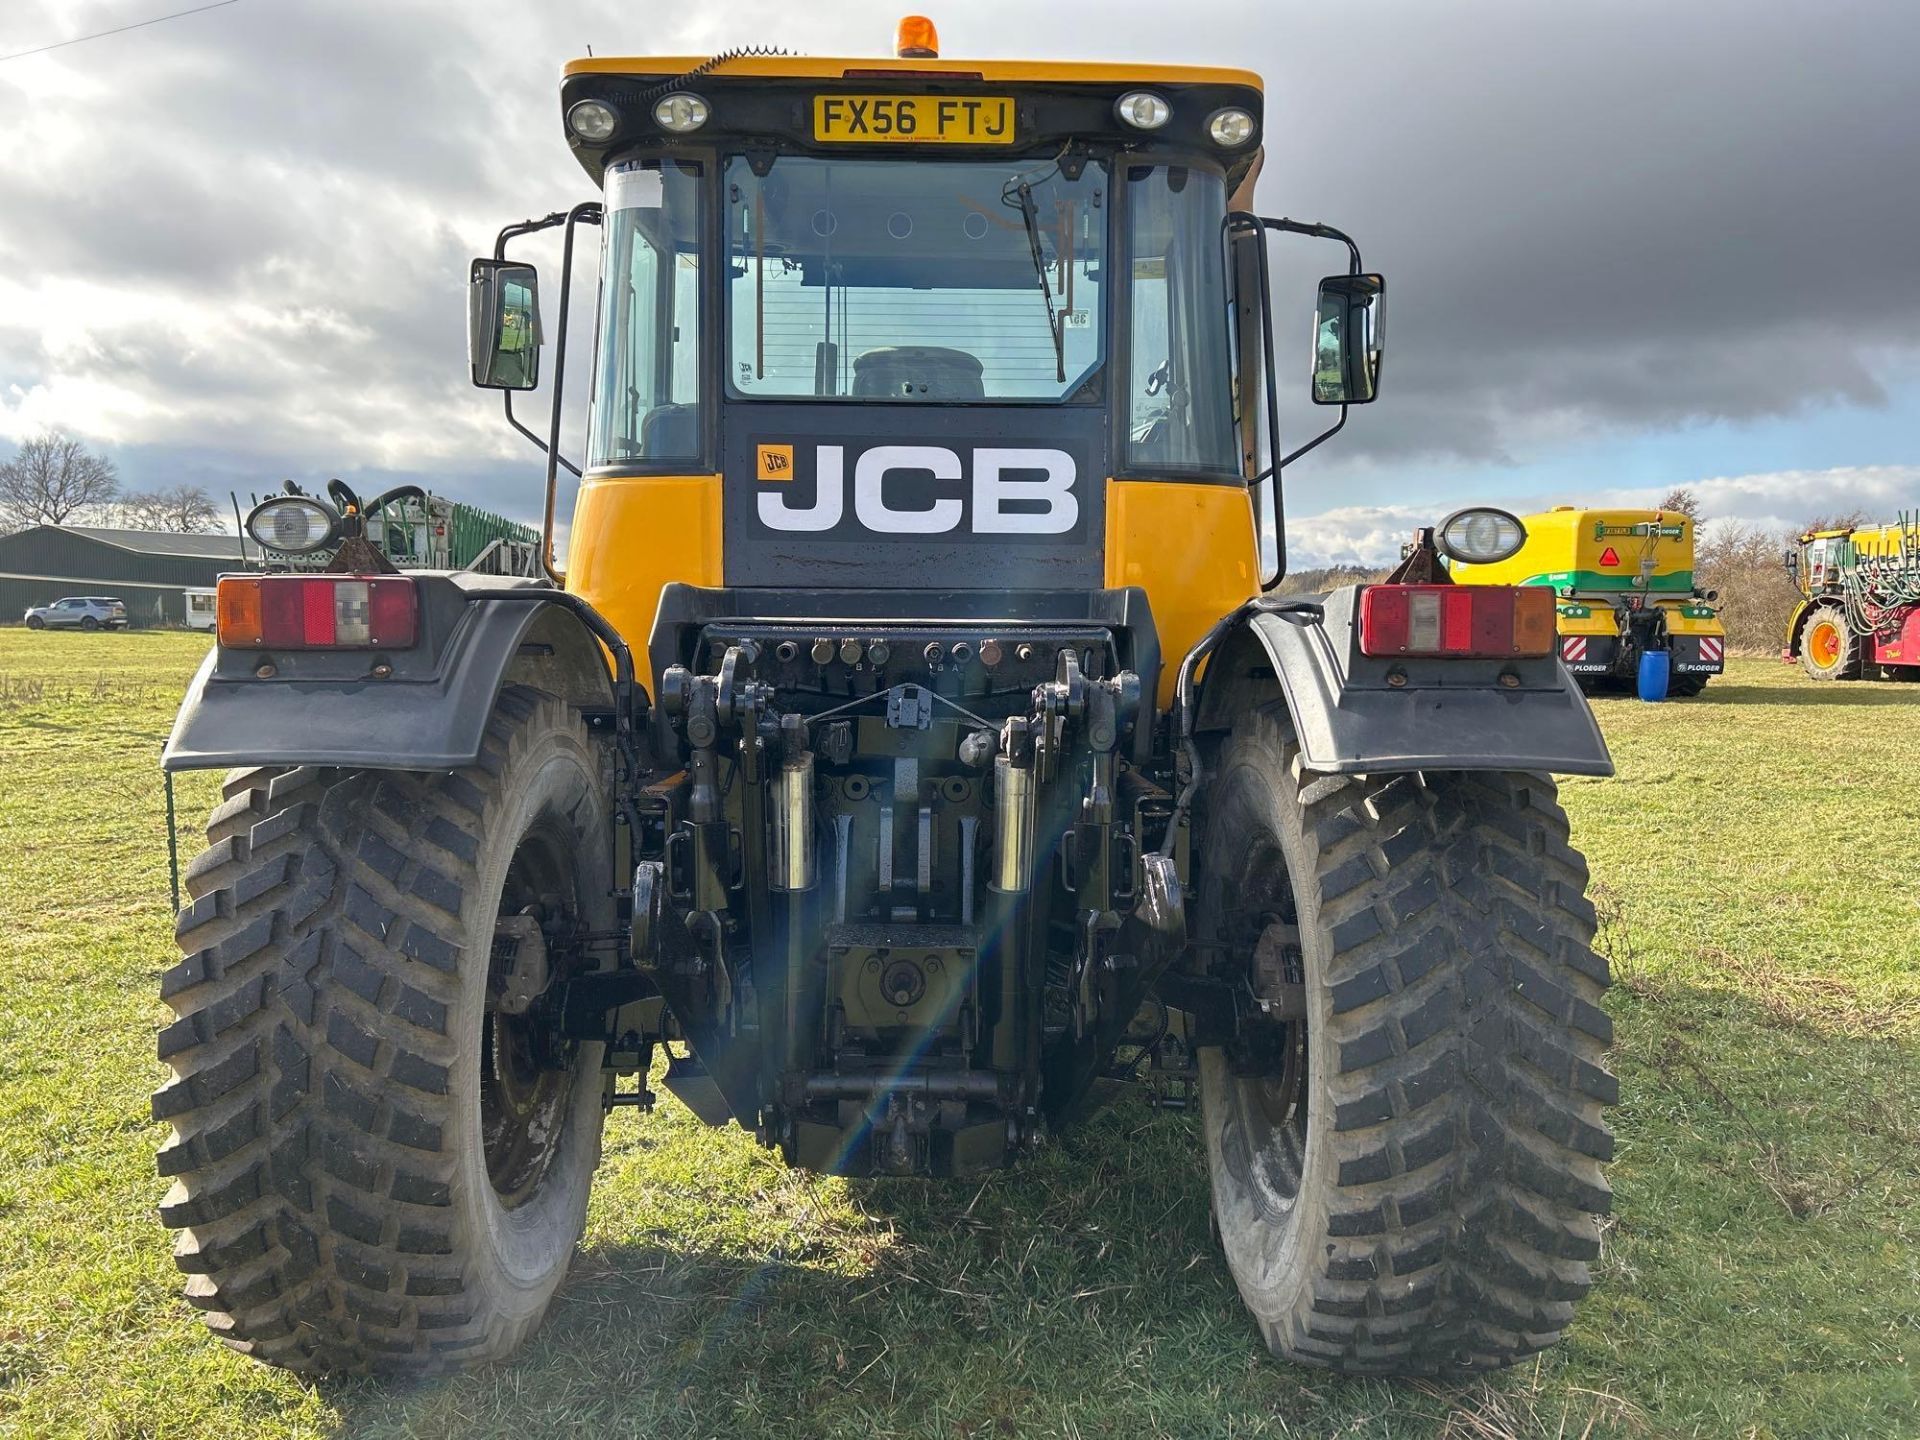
x=1629 y=246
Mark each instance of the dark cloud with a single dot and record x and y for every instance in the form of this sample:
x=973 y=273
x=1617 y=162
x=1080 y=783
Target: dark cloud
x=1625 y=215
x=238 y=240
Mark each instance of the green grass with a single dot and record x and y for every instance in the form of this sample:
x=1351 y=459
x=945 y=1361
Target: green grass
x=1756 y=861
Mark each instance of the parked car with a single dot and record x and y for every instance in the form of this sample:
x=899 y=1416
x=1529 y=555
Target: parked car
x=80 y=612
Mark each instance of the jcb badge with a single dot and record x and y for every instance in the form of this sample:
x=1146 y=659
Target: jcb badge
x=775 y=462
x=1004 y=491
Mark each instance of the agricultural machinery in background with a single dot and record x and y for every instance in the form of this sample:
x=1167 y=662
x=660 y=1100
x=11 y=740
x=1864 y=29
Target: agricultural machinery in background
x=412 y=528
x=1624 y=587
x=1859 y=616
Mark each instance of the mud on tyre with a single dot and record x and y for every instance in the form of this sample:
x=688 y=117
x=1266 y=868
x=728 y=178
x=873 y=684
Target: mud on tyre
x=375 y=1166
x=1408 y=1178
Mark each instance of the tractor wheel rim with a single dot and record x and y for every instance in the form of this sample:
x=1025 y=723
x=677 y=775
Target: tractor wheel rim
x=1271 y=1102
x=1825 y=643
x=526 y=1078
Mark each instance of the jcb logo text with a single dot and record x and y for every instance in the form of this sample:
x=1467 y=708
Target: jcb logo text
x=928 y=490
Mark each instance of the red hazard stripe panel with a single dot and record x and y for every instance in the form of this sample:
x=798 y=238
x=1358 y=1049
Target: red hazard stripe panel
x=1573 y=649
x=1711 y=649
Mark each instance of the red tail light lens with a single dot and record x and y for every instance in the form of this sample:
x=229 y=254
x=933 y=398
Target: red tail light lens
x=1456 y=621
x=317 y=612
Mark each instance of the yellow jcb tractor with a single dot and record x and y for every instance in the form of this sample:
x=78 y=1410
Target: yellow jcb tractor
x=911 y=747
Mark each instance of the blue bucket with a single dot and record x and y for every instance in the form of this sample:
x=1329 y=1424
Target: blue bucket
x=1654 y=674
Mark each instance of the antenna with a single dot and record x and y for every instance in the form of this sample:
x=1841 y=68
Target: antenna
x=240 y=528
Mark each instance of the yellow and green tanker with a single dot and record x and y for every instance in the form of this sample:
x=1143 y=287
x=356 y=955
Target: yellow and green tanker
x=1625 y=584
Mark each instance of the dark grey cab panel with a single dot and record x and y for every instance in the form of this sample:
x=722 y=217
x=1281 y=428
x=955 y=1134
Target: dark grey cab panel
x=966 y=496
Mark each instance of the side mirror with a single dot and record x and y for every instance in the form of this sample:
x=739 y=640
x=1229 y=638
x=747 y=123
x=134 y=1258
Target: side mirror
x=503 y=325
x=1347 y=339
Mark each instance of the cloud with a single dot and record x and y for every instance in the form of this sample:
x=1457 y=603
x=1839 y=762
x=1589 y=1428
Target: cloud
x=1368 y=535
x=1780 y=501
x=238 y=240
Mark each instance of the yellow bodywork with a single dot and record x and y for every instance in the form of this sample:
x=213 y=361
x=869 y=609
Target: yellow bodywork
x=812 y=67
x=1191 y=547
x=1870 y=542
x=632 y=535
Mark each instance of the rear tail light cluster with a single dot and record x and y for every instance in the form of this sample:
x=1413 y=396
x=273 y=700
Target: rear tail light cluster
x=1457 y=621
x=317 y=612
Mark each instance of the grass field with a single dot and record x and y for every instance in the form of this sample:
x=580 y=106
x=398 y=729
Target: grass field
x=1756 y=863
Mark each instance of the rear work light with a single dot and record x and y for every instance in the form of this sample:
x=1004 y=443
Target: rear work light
x=1497 y=622
x=317 y=612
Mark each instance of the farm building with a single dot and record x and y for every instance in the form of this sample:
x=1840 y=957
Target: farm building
x=150 y=570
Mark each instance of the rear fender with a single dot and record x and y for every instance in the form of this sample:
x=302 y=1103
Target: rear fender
x=477 y=635
x=1446 y=715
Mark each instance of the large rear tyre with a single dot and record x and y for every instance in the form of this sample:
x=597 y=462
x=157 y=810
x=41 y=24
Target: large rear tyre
x=378 y=1166
x=1408 y=1179
x=1829 y=650
x=1685 y=687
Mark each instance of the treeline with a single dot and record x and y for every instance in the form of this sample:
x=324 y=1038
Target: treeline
x=1329 y=577
x=1745 y=564
x=53 y=479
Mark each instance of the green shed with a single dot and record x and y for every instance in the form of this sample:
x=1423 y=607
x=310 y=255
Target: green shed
x=150 y=570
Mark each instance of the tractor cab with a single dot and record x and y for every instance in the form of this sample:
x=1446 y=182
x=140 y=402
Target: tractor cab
x=923 y=324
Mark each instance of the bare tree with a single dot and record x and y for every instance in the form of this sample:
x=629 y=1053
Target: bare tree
x=182 y=509
x=1744 y=564
x=1682 y=499
x=1839 y=520
x=52 y=478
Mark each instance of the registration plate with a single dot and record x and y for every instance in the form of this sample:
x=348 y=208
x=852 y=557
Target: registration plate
x=913 y=119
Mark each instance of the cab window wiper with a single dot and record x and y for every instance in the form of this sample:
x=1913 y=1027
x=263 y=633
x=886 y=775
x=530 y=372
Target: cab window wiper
x=1029 y=212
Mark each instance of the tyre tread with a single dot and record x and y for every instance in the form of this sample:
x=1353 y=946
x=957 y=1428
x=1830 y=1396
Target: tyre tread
x=309 y=1051
x=1465 y=1025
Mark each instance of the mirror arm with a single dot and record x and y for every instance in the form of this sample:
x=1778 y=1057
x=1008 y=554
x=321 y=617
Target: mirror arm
x=514 y=232
x=1318 y=231
x=587 y=212
x=541 y=445
x=1321 y=438
x=525 y=227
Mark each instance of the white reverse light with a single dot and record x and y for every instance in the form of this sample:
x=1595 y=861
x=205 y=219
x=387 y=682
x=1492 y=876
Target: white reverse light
x=352 y=613
x=292 y=525
x=681 y=113
x=1230 y=128
x=1480 y=536
x=592 y=120
x=1143 y=110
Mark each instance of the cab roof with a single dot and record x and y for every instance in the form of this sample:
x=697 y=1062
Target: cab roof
x=810 y=67
x=767 y=100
